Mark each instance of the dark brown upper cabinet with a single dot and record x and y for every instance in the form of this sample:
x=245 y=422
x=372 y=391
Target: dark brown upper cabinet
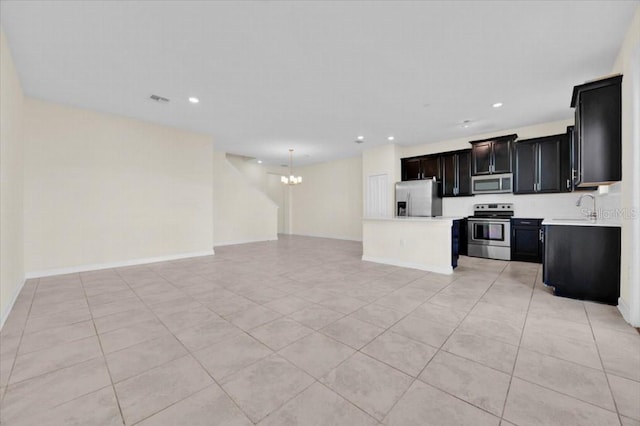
x=542 y=165
x=598 y=132
x=456 y=173
x=492 y=156
x=422 y=167
x=411 y=169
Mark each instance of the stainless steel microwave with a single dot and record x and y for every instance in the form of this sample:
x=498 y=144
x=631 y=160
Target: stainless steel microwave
x=492 y=184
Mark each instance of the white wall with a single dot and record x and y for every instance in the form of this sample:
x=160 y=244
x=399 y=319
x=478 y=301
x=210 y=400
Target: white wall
x=265 y=180
x=102 y=189
x=254 y=173
x=277 y=192
x=628 y=63
x=11 y=181
x=242 y=213
x=328 y=203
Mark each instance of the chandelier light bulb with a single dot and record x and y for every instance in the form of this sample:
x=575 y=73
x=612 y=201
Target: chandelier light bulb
x=291 y=179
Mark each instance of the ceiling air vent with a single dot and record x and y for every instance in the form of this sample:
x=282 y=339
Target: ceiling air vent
x=159 y=99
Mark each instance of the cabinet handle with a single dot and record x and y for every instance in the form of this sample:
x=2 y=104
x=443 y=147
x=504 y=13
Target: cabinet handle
x=541 y=233
x=568 y=183
x=522 y=222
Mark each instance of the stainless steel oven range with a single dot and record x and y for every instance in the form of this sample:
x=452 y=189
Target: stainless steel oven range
x=489 y=233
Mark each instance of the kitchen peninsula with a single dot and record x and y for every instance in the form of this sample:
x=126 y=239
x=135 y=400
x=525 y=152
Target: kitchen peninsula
x=423 y=243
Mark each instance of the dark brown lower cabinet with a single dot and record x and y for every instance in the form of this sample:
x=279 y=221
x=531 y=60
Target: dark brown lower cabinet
x=526 y=240
x=583 y=262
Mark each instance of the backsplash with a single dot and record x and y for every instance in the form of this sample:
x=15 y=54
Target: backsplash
x=543 y=206
x=609 y=204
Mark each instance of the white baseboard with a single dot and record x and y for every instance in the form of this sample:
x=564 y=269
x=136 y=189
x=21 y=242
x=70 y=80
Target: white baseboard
x=326 y=236
x=7 y=309
x=430 y=268
x=98 y=266
x=625 y=311
x=234 y=242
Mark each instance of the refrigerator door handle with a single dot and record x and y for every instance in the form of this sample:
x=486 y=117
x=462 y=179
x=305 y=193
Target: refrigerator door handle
x=409 y=203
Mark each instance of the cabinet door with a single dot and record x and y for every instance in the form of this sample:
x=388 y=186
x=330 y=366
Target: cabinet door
x=411 y=169
x=599 y=134
x=449 y=175
x=549 y=166
x=502 y=156
x=591 y=271
x=481 y=153
x=431 y=167
x=525 y=244
x=566 y=183
x=464 y=172
x=525 y=168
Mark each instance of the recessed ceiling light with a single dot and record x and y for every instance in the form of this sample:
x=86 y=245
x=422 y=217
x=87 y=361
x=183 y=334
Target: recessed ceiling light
x=497 y=105
x=466 y=123
x=390 y=138
x=259 y=161
x=194 y=100
x=360 y=138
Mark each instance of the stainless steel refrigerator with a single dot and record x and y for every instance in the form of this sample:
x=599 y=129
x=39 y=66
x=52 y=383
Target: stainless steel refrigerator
x=418 y=198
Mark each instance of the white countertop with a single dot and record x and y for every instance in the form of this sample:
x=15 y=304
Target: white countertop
x=416 y=218
x=582 y=222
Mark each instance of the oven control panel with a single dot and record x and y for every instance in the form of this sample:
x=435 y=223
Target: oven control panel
x=496 y=206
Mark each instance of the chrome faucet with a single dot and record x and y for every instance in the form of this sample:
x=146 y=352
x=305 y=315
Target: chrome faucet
x=593 y=215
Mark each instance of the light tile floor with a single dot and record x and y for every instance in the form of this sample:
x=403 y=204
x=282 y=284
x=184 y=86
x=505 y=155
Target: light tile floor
x=302 y=332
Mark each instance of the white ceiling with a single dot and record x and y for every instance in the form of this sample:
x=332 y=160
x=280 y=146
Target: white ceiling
x=314 y=75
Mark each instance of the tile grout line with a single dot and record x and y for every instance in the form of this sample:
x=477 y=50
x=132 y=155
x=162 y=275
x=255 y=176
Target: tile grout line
x=189 y=354
x=62 y=368
x=515 y=362
x=169 y=279
x=24 y=326
x=317 y=380
x=440 y=348
x=104 y=357
x=276 y=353
x=388 y=329
x=604 y=371
x=408 y=284
x=242 y=331
x=571 y=362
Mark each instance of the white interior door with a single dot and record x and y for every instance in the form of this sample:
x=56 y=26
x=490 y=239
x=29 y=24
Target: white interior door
x=377 y=204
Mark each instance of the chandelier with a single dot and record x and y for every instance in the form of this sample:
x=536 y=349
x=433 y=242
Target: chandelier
x=291 y=179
